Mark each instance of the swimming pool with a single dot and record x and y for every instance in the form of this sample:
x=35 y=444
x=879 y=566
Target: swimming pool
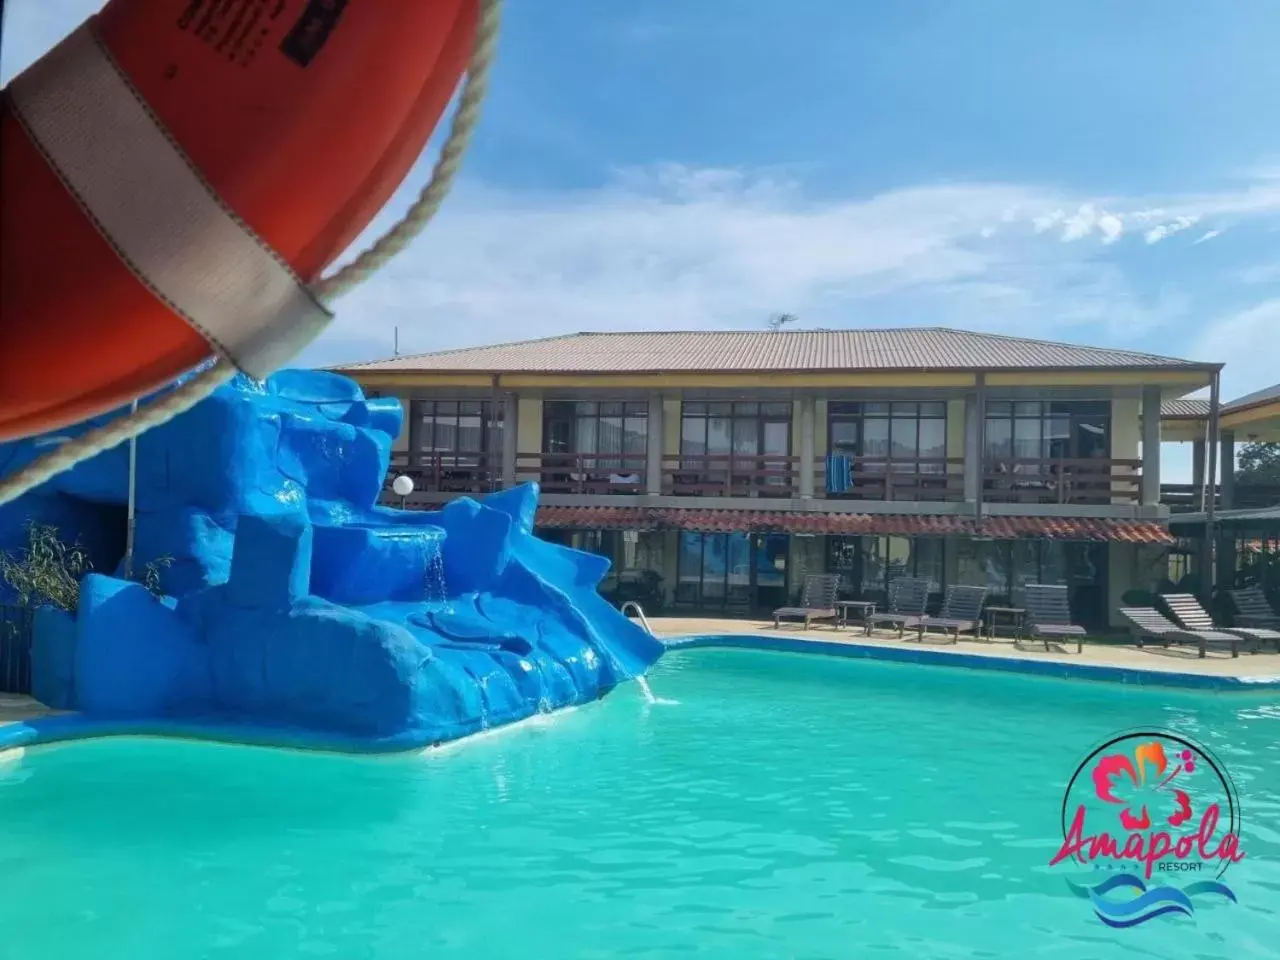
x=786 y=806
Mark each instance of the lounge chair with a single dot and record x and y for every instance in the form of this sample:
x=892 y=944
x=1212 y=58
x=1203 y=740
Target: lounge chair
x=1148 y=622
x=1253 y=609
x=1186 y=609
x=1049 y=615
x=908 y=597
x=961 y=613
x=817 y=601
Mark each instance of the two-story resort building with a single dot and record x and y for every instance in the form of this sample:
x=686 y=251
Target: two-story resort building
x=716 y=469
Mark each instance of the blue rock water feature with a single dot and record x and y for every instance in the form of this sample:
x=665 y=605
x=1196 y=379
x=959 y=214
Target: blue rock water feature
x=292 y=600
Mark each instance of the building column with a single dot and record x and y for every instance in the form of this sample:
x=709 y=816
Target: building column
x=808 y=456
x=654 y=429
x=972 y=448
x=1150 y=483
x=1228 y=498
x=1197 y=475
x=510 y=437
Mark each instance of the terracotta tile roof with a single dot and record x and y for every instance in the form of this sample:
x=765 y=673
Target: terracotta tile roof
x=913 y=348
x=599 y=518
x=713 y=520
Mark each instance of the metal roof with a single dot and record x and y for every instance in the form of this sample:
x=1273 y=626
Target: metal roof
x=915 y=348
x=1257 y=398
x=1191 y=408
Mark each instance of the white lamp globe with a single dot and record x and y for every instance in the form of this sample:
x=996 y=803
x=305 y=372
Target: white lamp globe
x=402 y=485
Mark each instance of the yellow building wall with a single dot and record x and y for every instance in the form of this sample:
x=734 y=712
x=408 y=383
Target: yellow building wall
x=528 y=433
x=1126 y=428
x=1126 y=437
x=670 y=426
x=401 y=443
x=955 y=428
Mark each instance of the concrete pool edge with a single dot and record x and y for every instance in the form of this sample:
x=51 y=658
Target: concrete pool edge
x=971 y=661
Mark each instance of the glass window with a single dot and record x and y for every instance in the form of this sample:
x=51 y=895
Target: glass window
x=843 y=437
x=693 y=436
x=719 y=436
x=1031 y=430
x=777 y=439
x=775 y=410
x=454 y=430
x=746 y=409
x=590 y=427
x=902 y=432
x=933 y=438
x=746 y=437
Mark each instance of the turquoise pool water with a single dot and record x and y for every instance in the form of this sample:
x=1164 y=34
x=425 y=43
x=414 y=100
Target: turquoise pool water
x=786 y=806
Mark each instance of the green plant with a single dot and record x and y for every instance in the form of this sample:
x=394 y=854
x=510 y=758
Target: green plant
x=151 y=574
x=46 y=570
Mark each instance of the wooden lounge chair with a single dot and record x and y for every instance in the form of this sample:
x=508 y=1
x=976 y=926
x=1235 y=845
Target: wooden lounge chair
x=817 y=601
x=1188 y=612
x=1252 y=608
x=908 y=597
x=1049 y=615
x=1148 y=622
x=961 y=613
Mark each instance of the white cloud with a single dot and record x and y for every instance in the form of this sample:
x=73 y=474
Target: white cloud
x=1206 y=237
x=1111 y=227
x=1163 y=231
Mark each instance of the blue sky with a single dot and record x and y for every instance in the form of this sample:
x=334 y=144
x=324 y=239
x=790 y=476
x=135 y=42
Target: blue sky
x=1091 y=171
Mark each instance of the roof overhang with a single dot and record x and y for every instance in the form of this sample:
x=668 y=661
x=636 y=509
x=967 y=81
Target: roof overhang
x=809 y=523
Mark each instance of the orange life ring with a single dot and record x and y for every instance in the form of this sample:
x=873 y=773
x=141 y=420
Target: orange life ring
x=173 y=175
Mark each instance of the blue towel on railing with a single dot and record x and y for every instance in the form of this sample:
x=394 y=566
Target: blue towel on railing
x=839 y=473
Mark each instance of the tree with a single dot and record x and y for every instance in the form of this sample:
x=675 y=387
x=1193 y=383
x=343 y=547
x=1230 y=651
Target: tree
x=1259 y=463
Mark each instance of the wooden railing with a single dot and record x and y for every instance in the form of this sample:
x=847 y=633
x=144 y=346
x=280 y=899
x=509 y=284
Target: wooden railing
x=729 y=475
x=932 y=479
x=1185 y=497
x=446 y=473
x=1061 y=480
x=589 y=473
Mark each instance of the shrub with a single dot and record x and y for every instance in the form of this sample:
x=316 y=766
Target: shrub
x=46 y=570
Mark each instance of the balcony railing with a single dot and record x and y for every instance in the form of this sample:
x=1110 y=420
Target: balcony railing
x=1063 y=481
x=446 y=472
x=589 y=473
x=930 y=479
x=1185 y=497
x=729 y=475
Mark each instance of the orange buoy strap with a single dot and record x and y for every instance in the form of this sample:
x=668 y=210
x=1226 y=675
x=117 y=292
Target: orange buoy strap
x=151 y=205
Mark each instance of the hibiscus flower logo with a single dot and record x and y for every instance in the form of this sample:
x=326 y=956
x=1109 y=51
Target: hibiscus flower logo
x=1144 y=782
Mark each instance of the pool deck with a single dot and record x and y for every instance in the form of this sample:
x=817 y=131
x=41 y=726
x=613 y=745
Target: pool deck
x=1157 y=663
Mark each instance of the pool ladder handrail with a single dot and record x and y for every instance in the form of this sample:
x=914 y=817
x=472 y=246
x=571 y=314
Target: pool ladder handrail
x=639 y=612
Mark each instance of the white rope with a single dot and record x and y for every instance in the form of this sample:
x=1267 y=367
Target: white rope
x=200 y=386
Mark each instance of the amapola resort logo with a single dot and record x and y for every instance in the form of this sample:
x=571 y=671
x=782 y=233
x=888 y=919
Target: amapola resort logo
x=1155 y=818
